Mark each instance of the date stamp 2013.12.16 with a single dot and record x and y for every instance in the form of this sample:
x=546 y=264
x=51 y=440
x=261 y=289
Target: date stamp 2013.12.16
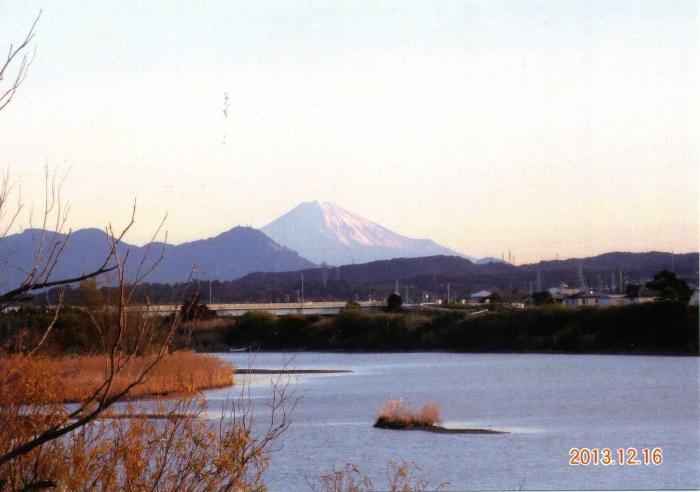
x=619 y=456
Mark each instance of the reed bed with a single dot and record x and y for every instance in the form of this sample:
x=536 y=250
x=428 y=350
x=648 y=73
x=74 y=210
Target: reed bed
x=398 y=414
x=75 y=377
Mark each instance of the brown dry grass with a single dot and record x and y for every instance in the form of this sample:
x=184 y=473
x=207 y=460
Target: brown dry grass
x=399 y=414
x=76 y=377
x=122 y=450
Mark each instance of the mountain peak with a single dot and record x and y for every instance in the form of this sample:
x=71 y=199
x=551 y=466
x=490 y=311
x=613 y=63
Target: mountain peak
x=324 y=231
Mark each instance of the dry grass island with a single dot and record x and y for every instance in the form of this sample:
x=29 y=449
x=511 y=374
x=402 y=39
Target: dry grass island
x=398 y=415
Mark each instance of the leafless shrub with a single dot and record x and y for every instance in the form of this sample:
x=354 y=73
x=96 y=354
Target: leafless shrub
x=173 y=447
x=404 y=476
x=349 y=478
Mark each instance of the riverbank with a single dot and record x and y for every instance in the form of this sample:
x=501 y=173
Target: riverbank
x=642 y=329
x=290 y=371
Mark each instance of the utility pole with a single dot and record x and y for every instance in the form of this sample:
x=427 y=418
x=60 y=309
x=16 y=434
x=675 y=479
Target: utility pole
x=448 y=292
x=621 y=286
x=302 y=290
x=209 y=291
x=396 y=287
x=405 y=301
x=672 y=262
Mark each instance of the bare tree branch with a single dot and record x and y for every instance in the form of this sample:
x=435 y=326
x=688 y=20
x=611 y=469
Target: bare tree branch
x=116 y=355
x=7 y=94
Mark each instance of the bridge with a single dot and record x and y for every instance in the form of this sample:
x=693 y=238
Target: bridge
x=273 y=307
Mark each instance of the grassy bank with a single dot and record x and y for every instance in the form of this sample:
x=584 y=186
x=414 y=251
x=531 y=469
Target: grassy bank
x=73 y=378
x=651 y=328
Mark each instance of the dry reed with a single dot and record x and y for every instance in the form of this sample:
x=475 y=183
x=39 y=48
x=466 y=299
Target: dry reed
x=398 y=414
x=122 y=450
x=76 y=377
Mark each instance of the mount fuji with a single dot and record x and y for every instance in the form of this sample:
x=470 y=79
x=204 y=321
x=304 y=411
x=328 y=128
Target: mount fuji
x=324 y=232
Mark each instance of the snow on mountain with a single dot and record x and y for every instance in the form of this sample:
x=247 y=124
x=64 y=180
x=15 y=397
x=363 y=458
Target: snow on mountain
x=324 y=232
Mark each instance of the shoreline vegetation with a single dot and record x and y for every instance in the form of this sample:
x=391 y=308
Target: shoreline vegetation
x=398 y=415
x=655 y=328
x=75 y=377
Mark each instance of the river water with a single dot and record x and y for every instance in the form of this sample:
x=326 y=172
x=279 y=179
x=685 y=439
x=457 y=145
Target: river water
x=548 y=403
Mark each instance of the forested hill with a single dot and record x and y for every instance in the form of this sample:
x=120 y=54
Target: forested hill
x=227 y=256
x=433 y=276
x=635 y=267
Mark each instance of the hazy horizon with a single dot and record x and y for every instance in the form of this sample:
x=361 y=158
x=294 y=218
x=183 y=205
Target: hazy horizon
x=516 y=260
x=544 y=128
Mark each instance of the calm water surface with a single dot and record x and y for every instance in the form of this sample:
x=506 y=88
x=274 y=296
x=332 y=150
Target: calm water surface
x=549 y=403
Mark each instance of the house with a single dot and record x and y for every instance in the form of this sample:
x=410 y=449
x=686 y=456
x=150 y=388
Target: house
x=605 y=300
x=481 y=297
x=562 y=292
x=580 y=299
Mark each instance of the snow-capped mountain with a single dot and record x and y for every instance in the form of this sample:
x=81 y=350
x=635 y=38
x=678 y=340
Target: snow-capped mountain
x=324 y=232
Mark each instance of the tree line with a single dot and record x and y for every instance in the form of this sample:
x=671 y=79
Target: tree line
x=648 y=328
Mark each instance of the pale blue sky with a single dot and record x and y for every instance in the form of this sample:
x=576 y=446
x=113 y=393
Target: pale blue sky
x=547 y=128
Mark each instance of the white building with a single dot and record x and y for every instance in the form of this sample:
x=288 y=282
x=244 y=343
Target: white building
x=481 y=297
x=562 y=292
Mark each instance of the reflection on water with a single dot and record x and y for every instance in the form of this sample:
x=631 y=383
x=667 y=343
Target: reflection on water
x=548 y=403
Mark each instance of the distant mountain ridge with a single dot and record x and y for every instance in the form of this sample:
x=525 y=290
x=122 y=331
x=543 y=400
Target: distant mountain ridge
x=634 y=266
x=324 y=232
x=254 y=266
x=228 y=256
x=433 y=276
